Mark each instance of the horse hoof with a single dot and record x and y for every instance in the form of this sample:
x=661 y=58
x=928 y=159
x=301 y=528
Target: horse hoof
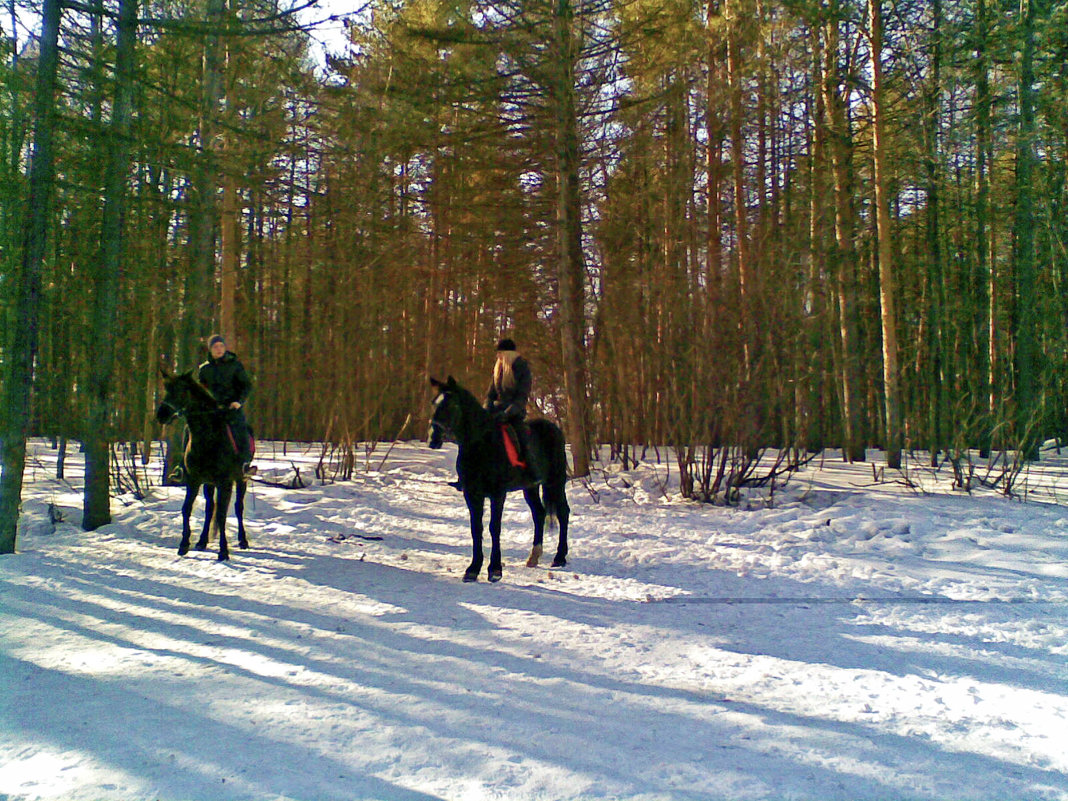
x=495 y=576
x=243 y=544
x=200 y=547
x=183 y=550
x=224 y=556
x=470 y=577
x=535 y=556
x=559 y=561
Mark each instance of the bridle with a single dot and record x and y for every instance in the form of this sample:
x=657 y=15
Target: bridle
x=174 y=410
x=439 y=431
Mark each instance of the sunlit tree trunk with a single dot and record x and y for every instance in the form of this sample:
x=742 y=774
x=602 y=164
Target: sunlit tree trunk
x=571 y=270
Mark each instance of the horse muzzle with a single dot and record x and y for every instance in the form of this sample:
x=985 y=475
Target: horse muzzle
x=165 y=413
x=435 y=436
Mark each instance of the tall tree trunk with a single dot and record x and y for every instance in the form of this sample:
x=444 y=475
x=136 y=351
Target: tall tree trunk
x=714 y=168
x=23 y=345
x=935 y=272
x=818 y=317
x=10 y=193
x=887 y=289
x=571 y=269
x=200 y=277
x=844 y=256
x=96 y=505
x=734 y=17
x=198 y=292
x=1027 y=406
x=984 y=275
x=230 y=245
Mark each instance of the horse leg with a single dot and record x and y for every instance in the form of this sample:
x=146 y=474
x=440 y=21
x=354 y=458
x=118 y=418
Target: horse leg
x=563 y=515
x=191 y=490
x=209 y=515
x=222 y=505
x=239 y=512
x=475 y=506
x=496 y=513
x=537 y=511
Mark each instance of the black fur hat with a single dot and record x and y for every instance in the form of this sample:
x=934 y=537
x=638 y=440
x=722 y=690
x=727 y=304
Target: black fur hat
x=215 y=338
x=506 y=344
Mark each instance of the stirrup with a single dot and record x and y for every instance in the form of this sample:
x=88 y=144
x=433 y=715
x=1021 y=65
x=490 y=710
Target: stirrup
x=177 y=474
x=249 y=470
x=457 y=485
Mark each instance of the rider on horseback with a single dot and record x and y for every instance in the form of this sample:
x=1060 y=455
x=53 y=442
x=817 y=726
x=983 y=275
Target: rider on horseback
x=225 y=376
x=506 y=398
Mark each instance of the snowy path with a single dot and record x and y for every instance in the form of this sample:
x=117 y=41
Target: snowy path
x=686 y=652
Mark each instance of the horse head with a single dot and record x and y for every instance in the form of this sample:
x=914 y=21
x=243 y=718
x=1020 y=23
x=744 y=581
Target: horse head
x=445 y=420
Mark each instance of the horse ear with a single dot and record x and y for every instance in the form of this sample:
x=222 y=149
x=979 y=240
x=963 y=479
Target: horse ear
x=452 y=383
x=164 y=370
x=435 y=383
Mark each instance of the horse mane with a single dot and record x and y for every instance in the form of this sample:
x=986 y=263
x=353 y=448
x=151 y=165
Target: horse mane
x=477 y=419
x=200 y=392
x=467 y=398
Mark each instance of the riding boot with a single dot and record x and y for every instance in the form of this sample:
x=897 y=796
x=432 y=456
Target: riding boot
x=247 y=468
x=177 y=474
x=532 y=473
x=242 y=442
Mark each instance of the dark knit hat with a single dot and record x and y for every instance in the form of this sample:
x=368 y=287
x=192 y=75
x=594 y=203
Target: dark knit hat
x=215 y=338
x=506 y=344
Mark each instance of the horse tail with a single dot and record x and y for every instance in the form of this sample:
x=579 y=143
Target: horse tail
x=552 y=492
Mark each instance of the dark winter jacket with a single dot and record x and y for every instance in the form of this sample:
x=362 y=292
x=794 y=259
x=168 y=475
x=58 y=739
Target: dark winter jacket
x=226 y=378
x=511 y=402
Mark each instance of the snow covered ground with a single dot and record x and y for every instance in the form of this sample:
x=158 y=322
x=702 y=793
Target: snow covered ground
x=849 y=640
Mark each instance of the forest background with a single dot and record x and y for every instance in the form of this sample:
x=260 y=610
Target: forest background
x=718 y=226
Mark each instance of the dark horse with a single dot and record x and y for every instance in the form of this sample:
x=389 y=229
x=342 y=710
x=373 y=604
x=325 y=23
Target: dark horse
x=487 y=473
x=210 y=459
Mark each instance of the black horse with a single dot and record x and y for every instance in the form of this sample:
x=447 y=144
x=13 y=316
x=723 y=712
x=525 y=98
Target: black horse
x=211 y=459
x=488 y=473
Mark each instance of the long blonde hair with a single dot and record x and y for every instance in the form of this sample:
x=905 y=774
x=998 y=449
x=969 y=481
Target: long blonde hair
x=503 y=375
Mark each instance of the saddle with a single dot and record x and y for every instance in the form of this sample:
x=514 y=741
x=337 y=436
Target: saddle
x=511 y=445
x=233 y=440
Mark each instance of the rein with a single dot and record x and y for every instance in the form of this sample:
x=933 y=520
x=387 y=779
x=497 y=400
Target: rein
x=192 y=414
x=187 y=413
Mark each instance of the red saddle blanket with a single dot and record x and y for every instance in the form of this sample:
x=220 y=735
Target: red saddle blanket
x=511 y=446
